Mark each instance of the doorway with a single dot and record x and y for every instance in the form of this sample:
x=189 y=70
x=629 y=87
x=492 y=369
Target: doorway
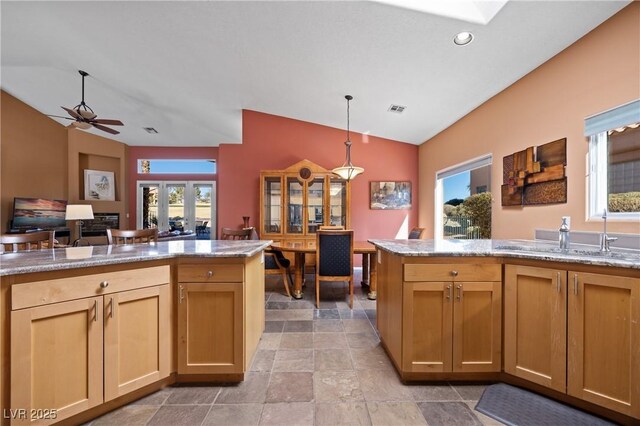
x=178 y=207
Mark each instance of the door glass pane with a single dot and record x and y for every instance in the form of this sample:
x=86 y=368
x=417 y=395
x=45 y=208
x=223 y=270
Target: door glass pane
x=150 y=198
x=272 y=204
x=467 y=205
x=338 y=193
x=295 y=214
x=202 y=194
x=315 y=206
x=175 y=194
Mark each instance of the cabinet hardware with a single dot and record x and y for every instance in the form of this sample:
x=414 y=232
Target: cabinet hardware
x=449 y=292
x=558 y=282
x=181 y=294
x=454 y=273
x=575 y=284
x=112 y=308
x=459 y=297
x=209 y=274
x=95 y=308
x=104 y=284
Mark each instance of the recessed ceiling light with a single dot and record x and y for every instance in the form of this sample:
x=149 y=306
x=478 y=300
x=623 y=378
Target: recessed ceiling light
x=463 y=38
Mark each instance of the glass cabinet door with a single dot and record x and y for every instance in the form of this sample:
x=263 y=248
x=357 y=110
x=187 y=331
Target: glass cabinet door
x=338 y=202
x=272 y=208
x=315 y=204
x=295 y=213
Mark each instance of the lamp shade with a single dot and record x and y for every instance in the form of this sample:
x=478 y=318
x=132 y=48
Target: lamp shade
x=78 y=212
x=348 y=172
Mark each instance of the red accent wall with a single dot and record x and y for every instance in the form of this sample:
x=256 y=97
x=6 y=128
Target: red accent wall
x=273 y=142
x=158 y=153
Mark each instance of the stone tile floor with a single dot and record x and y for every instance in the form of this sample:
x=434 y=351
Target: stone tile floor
x=313 y=367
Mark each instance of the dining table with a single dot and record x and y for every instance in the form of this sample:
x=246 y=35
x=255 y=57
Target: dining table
x=302 y=248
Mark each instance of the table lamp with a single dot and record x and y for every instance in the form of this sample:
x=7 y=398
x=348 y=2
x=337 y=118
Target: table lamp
x=78 y=212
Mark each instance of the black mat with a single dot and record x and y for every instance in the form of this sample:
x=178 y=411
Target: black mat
x=518 y=407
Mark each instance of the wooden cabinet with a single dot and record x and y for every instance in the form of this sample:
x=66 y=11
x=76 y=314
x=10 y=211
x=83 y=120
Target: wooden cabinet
x=296 y=201
x=575 y=325
x=70 y=352
x=604 y=341
x=220 y=315
x=452 y=325
x=535 y=325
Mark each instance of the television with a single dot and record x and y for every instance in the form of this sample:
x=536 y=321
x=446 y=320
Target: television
x=33 y=213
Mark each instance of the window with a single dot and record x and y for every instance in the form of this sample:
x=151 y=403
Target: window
x=177 y=166
x=463 y=200
x=614 y=162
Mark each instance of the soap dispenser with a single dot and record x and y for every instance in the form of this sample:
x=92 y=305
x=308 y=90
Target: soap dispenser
x=564 y=233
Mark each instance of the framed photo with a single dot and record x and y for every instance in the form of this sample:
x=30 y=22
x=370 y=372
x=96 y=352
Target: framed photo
x=390 y=195
x=99 y=185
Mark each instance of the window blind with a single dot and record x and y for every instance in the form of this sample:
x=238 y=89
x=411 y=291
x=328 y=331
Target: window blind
x=612 y=119
x=460 y=168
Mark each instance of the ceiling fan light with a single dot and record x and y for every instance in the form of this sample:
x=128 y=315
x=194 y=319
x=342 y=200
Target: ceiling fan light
x=86 y=114
x=81 y=125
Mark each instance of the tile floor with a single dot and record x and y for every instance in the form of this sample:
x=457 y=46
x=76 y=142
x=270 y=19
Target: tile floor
x=313 y=367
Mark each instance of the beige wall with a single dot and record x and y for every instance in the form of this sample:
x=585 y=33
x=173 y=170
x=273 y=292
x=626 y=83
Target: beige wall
x=598 y=72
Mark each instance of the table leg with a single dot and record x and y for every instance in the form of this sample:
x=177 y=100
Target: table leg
x=373 y=278
x=299 y=276
x=365 y=270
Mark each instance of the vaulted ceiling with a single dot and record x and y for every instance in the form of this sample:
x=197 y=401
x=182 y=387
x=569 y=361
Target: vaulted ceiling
x=188 y=69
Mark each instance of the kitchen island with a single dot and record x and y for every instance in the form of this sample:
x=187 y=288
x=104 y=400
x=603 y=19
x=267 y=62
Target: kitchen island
x=86 y=329
x=561 y=322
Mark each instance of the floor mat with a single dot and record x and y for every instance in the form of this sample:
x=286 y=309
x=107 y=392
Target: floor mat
x=518 y=407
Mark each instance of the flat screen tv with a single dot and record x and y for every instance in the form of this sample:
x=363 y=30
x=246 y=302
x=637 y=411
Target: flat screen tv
x=30 y=213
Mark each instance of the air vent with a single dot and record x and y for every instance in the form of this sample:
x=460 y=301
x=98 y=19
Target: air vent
x=150 y=130
x=398 y=109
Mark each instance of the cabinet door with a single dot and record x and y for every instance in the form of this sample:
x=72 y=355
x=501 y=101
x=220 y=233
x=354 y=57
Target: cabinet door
x=210 y=328
x=535 y=325
x=604 y=341
x=427 y=326
x=477 y=330
x=56 y=357
x=271 y=205
x=136 y=339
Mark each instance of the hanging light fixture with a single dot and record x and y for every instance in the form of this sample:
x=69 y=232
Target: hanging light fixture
x=348 y=171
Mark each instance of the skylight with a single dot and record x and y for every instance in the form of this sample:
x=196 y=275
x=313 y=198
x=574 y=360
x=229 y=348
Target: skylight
x=474 y=11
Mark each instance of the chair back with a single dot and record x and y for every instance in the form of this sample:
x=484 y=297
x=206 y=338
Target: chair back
x=132 y=236
x=236 y=234
x=331 y=227
x=334 y=253
x=30 y=241
x=417 y=233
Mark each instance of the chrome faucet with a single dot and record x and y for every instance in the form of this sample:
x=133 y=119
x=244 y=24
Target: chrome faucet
x=604 y=238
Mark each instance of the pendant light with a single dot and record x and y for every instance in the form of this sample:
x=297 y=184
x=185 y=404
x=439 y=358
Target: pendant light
x=348 y=171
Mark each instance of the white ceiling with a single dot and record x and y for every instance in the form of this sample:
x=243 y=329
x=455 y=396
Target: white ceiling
x=189 y=68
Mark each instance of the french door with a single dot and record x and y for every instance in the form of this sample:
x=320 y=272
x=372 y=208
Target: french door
x=177 y=206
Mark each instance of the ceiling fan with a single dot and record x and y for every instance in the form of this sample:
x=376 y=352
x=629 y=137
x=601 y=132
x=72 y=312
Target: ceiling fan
x=84 y=118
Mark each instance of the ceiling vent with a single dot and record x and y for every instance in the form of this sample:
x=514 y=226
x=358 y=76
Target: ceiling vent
x=150 y=130
x=398 y=109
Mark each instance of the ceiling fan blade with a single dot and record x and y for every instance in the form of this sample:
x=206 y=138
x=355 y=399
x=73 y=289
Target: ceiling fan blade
x=105 y=128
x=72 y=113
x=59 y=116
x=108 y=121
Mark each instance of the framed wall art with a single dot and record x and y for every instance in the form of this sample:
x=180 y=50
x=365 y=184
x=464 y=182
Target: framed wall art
x=99 y=185
x=390 y=195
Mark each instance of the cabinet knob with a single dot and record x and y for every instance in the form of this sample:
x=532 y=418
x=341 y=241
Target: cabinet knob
x=454 y=273
x=104 y=284
x=209 y=274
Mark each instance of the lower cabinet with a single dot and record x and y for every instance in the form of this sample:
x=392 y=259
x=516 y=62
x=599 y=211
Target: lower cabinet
x=69 y=356
x=580 y=326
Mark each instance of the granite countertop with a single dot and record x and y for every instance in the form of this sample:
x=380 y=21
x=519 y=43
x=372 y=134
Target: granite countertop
x=523 y=249
x=83 y=257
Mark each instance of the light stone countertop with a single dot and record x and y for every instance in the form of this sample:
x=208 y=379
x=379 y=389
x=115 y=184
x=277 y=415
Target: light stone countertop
x=522 y=249
x=84 y=257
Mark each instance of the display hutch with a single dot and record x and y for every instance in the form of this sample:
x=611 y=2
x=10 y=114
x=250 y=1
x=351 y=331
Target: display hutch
x=296 y=201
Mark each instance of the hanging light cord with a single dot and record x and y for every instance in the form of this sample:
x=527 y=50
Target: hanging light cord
x=348 y=141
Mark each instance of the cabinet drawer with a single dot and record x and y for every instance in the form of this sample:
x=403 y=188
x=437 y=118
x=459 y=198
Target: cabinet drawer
x=452 y=272
x=39 y=293
x=210 y=273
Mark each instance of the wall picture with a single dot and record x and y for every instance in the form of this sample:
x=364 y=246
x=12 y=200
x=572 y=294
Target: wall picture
x=99 y=185
x=390 y=195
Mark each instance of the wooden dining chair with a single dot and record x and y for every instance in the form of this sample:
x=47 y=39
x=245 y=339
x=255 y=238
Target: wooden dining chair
x=417 y=233
x=30 y=241
x=334 y=259
x=236 y=234
x=132 y=236
x=276 y=263
x=331 y=227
